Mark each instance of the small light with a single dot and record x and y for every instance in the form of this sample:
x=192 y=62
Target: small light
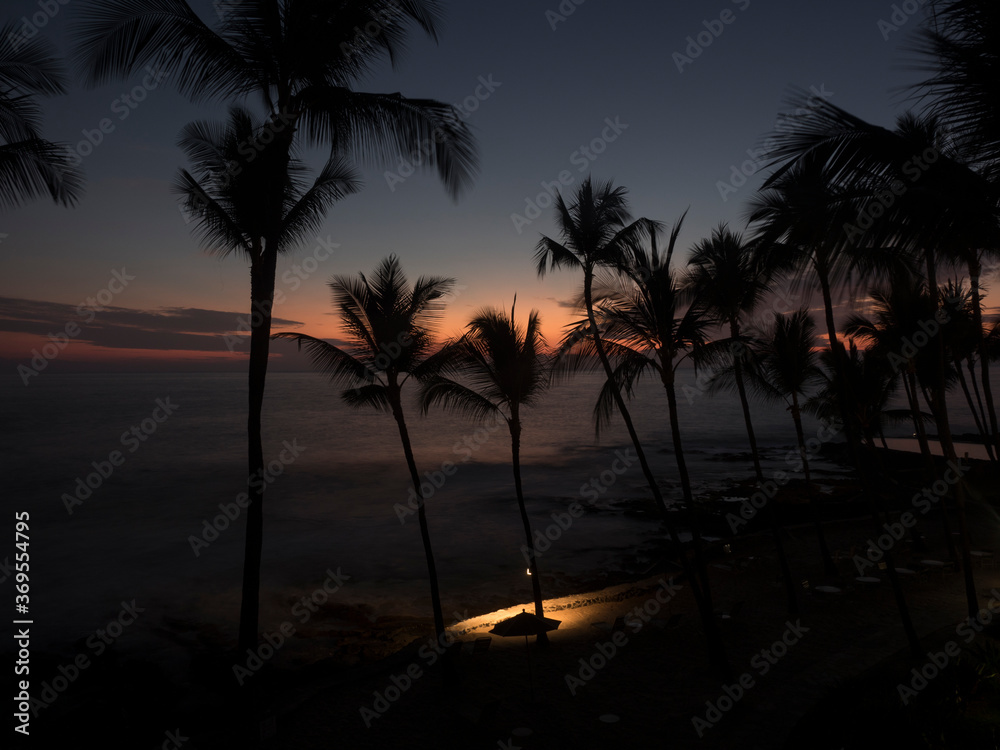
x=529 y=571
x=727 y=548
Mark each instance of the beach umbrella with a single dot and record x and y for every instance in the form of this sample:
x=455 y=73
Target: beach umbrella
x=525 y=624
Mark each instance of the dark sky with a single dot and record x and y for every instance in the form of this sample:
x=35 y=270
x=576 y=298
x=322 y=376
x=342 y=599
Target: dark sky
x=551 y=93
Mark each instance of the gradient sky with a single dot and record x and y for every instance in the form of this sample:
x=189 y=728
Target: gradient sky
x=555 y=88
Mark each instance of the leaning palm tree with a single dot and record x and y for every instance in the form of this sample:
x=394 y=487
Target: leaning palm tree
x=646 y=333
x=783 y=366
x=298 y=60
x=507 y=369
x=597 y=232
x=31 y=166
x=389 y=325
x=728 y=282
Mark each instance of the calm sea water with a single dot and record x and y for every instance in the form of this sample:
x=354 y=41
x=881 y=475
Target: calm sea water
x=335 y=506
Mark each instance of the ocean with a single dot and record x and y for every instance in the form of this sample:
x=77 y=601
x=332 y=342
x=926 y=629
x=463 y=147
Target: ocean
x=337 y=495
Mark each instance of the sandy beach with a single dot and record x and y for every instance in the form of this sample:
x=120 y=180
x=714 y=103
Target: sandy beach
x=646 y=684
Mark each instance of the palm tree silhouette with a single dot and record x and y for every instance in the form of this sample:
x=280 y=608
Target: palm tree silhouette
x=646 y=333
x=783 y=365
x=31 y=166
x=507 y=369
x=389 y=325
x=229 y=194
x=597 y=233
x=728 y=282
x=299 y=59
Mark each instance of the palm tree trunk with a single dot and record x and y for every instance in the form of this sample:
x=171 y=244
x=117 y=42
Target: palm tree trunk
x=910 y=386
x=700 y=591
x=852 y=446
x=425 y=536
x=980 y=427
x=262 y=273
x=712 y=634
x=975 y=269
x=536 y=584
x=772 y=516
x=990 y=450
x=948 y=445
x=824 y=549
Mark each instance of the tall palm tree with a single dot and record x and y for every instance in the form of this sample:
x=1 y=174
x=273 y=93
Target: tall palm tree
x=507 y=369
x=957 y=46
x=803 y=212
x=598 y=232
x=31 y=166
x=962 y=341
x=381 y=316
x=783 y=365
x=728 y=282
x=646 y=333
x=299 y=61
x=228 y=195
x=889 y=333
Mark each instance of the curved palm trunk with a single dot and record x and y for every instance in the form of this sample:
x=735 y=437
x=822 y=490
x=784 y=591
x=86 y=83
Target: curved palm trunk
x=824 y=549
x=852 y=446
x=262 y=273
x=980 y=427
x=990 y=450
x=910 y=383
x=712 y=634
x=697 y=579
x=772 y=516
x=425 y=536
x=536 y=583
x=948 y=445
x=975 y=269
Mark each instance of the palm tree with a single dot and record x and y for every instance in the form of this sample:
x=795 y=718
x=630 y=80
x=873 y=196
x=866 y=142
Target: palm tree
x=31 y=166
x=299 y=59
x=963 y=343
x=389 y=325
x=803 y=213
x=645 y=332
x=783 y=365
x=889 y=333
x=507 y=369
x=728 y=282
x=958 y=48
x=598 y=233
x=227 y=194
